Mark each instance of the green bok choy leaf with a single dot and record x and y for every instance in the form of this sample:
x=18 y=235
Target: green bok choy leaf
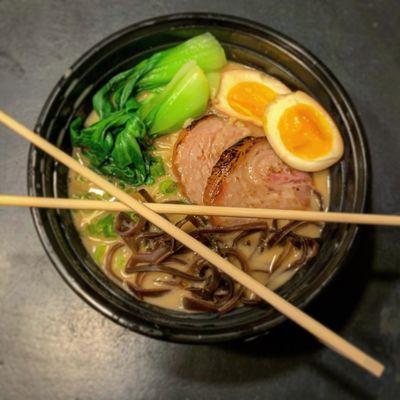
x=102 y=227
x=156 y=71
x=204 y=49
x=157 y=96
x=114 y=146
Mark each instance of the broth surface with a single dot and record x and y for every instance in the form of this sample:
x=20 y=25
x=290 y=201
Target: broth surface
x=262 y=265
x=79 y=187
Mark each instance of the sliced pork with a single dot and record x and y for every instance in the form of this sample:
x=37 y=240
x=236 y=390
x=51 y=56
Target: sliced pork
x=249 y=174
x=199 y=147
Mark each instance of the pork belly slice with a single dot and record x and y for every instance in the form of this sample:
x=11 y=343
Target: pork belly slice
x=200 y=146
x=250 y=174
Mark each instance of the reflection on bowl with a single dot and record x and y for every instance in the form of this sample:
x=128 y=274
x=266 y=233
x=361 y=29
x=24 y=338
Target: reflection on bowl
x=247 y=43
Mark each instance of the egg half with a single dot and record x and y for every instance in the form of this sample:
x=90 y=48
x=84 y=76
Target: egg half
x=302 y=133
x=244 y=93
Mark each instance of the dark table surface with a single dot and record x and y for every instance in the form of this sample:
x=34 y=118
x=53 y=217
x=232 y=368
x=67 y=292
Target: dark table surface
x=54 y=346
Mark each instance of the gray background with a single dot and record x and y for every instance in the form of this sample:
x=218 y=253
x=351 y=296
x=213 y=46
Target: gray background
x=54 y=346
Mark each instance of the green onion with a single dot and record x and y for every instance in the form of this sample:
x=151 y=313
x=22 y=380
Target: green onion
x=168 y=186
x=134 y=217
x=157 y=167
x=103 y=227
x=120 y=261
x=99 y=252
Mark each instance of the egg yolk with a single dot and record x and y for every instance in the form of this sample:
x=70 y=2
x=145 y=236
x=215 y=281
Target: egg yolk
x=250 y=98
x=305 y=132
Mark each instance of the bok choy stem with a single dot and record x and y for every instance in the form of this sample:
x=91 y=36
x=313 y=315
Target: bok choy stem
x=185 y=97
x=155 y=97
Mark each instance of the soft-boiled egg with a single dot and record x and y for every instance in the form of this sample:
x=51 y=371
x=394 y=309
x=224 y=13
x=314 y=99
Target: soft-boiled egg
x=302 y=133
x=244 y=93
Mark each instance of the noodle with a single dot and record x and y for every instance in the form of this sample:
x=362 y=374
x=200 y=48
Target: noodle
x=154 y=267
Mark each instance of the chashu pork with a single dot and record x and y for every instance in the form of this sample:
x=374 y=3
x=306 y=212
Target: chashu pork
x=200 y=146
x=250 y=174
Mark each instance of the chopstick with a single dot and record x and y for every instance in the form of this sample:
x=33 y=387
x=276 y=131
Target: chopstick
x=324 y=334
x=189 y=209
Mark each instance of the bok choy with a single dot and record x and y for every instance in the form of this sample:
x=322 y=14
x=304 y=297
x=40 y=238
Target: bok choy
x=114 y=145
x=155 y=97
x=204 y=49
x=185 y=97
x=157 y=71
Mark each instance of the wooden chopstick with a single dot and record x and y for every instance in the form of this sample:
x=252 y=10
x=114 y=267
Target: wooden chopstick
x=325 y=335
x=189 y=209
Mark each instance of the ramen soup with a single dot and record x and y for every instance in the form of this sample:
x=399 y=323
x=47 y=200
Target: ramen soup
x=186 y=126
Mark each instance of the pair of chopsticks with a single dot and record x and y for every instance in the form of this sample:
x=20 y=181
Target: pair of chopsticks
x=322 y=333
x=189 y=209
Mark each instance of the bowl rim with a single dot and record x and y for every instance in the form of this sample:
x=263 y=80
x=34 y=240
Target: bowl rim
x=96 y=300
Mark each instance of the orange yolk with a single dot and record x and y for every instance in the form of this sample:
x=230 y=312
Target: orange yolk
x=305 y=132
x=250 y=98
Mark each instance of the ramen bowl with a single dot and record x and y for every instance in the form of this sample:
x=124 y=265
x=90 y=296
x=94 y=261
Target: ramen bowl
x=245 y=42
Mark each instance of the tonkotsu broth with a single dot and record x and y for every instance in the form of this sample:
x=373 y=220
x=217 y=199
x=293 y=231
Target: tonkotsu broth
x=78 y=186
x=259 y=262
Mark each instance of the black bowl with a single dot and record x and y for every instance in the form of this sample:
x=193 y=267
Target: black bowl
x=246 y=42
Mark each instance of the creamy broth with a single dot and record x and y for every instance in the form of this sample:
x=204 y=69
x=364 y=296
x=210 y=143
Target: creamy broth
x=272 y=265
x=261 y=264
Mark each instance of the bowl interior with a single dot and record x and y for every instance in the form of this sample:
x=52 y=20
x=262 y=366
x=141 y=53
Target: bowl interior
x=244 y=42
